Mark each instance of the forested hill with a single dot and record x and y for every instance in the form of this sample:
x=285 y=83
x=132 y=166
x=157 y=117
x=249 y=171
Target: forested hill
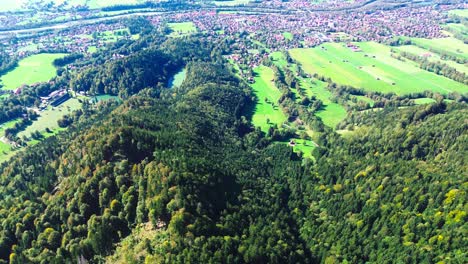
x=180 y=176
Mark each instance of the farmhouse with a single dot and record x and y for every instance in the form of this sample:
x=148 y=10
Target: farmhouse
x=55 y=98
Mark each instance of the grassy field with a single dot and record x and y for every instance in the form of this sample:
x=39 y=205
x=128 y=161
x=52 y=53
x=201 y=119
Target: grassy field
x=450 y=45
x=33 y=69
x=265 y=88
x=434 y=57
x=421 y=101
x=457 y=28
x=302 y=145
x=5 y=148
x=372 y=69
x=332 y=113
x=459 y=12
x=49 y=117
x=183 y=28
x=288 y=35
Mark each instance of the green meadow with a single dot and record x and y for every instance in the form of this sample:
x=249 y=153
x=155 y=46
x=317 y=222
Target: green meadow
x=332 y=113
x=449 y=45
x=459 y=12
x=420 y=101
x=33 y=69
x=183 y=28
x=49 y=117
x=457 y=28
x=5 y=148
x=264 y=88
x=372 y=69
x=302 y=145
x=432 y=57
x=288 y=35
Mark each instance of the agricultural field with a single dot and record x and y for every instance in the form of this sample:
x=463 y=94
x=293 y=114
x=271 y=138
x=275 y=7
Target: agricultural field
x=49 y=117
x=288 y=35
x=302 y=145
x=5 y=148
x=266 y=110
x=332 y=113
x=450 y=46
x=457 y=28
x=181 y=29
x=459 y=12
x=421 y=101
x=433 y=57
x=33 y=69
x=371 y=68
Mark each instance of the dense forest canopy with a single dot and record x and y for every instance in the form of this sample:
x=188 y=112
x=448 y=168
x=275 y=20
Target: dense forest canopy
x=181 y=176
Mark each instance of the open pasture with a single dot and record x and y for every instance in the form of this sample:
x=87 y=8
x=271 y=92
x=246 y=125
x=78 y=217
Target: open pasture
x=266 y=111
x=432 y=57
x=183 y=28
x=457 y=28
x=49 y=117
x=459 y=12
x=450 y=46
x=371 y=68
x=33 y=69
x=332 y=113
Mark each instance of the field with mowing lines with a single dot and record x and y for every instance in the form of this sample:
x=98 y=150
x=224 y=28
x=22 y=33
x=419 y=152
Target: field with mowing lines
x=183 y=28
x=372 y=69
x=433 y=57
x=49 y=117
x=450 y=45
x=263 y=88
x=33 y=69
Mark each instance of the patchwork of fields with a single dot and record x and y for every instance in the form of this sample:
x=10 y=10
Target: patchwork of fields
x=371 y=68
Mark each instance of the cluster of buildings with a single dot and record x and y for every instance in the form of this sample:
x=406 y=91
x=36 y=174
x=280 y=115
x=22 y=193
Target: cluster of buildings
x=55 y=99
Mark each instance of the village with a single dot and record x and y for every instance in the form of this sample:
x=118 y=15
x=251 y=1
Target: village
x=307 y=29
